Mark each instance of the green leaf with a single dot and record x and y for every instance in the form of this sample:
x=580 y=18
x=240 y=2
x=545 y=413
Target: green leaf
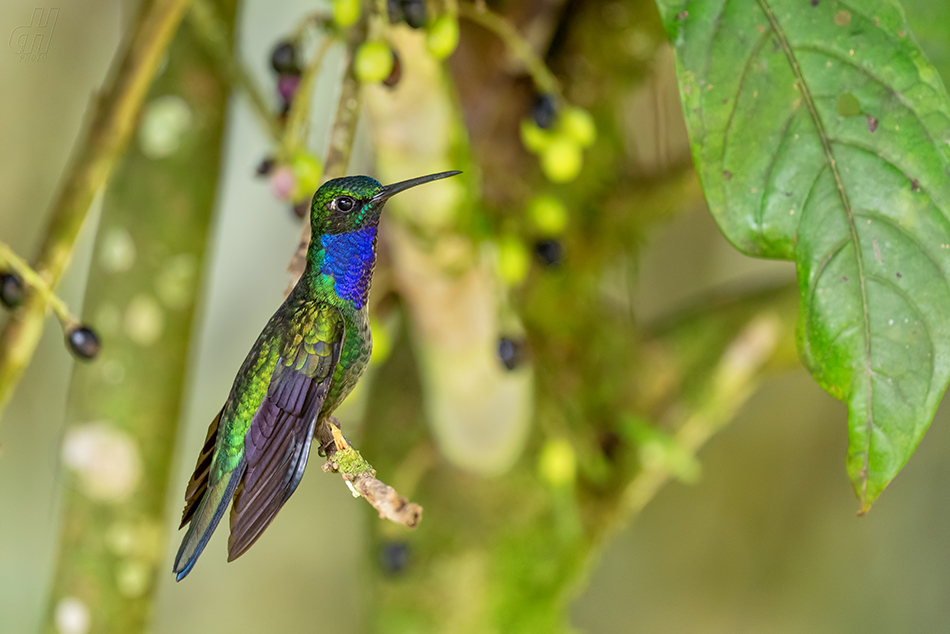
x=822 y=136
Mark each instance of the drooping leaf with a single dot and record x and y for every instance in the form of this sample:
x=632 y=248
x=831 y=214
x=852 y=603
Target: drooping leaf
x=822 y=136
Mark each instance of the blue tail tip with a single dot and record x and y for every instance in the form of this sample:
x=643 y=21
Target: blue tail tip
x=184 y=573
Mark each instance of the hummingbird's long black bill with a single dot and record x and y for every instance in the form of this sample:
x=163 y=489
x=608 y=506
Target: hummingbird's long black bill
x=401 y=186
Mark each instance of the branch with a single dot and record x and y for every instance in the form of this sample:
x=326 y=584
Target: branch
x=734 y=379
x=115 y=114
x=213 y=35
x=295 y=131
x=10 y=261
x=360 y=477
x=543 y=78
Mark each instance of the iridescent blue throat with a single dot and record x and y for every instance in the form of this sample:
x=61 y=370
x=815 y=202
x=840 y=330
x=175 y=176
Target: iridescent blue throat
x=349 y=259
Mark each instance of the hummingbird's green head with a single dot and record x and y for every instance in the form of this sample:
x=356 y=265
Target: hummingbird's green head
x=350 y=203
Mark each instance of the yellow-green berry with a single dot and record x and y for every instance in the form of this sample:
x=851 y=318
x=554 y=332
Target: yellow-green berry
x=561 y=161
x=548 y=215
x=514 y=260
x=578 y=124
x=557 y=463
x=308 y=170
x=374 y=62
x=443 y=36
x=382 y=341
x=535 y=139
x=346 y=12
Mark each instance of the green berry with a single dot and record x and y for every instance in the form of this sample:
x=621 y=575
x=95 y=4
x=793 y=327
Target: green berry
x=561 y=161
x=382 y=342
x=577 y=124
x=514 y=260
x=535 y=139
x=307 y=174
x=346 y=12
x=374 y=62
x=557 y=463
x=443 y=36
x=548 y=215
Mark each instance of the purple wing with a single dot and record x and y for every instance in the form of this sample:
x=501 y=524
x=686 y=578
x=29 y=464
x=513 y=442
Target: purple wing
x=277 y=443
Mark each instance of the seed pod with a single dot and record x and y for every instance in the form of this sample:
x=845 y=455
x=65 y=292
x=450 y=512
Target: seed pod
x=83 y=342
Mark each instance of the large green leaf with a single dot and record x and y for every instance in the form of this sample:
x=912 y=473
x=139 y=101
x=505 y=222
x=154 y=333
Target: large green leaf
x=822 y=135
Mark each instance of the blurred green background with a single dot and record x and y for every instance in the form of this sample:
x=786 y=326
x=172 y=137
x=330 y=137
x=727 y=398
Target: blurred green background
x=766 y=541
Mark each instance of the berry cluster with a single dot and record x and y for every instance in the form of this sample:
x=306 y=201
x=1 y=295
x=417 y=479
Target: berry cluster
x=558 y=136
x=82 y=340
x=294 y=178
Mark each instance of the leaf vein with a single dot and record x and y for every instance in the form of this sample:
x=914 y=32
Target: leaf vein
x=843 y=194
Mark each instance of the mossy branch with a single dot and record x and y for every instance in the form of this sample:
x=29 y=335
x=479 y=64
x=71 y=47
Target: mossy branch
x=360 y=477
x=114 y=117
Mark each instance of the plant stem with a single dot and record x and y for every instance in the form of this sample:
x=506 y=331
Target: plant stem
x=211 y=31
x=115 y=114
x=541 y=75
x=734 y=380
x=10 y=261
x=111 y=544
x=342 y=135
x=295 y=132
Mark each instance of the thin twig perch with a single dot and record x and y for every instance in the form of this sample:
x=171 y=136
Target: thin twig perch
x=360 y=477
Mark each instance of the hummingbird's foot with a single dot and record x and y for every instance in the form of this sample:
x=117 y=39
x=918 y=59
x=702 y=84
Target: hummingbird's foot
x=325 y=435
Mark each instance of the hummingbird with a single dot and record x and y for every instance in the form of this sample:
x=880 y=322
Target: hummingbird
x=309 y=356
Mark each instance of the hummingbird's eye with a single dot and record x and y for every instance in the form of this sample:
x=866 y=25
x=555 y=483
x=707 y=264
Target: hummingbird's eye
x=345 y=203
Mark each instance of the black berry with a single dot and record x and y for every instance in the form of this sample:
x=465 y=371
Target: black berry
x=511 y=352
x=83 y=342
x=394 y=557
x=549 y=252
x=394 y=9
x=544 y=111
x=11 y=290
x=414 y=12
x=283 y=59
x=266 y=166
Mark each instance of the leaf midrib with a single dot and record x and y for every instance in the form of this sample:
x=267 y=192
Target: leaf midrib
x=843 y=194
